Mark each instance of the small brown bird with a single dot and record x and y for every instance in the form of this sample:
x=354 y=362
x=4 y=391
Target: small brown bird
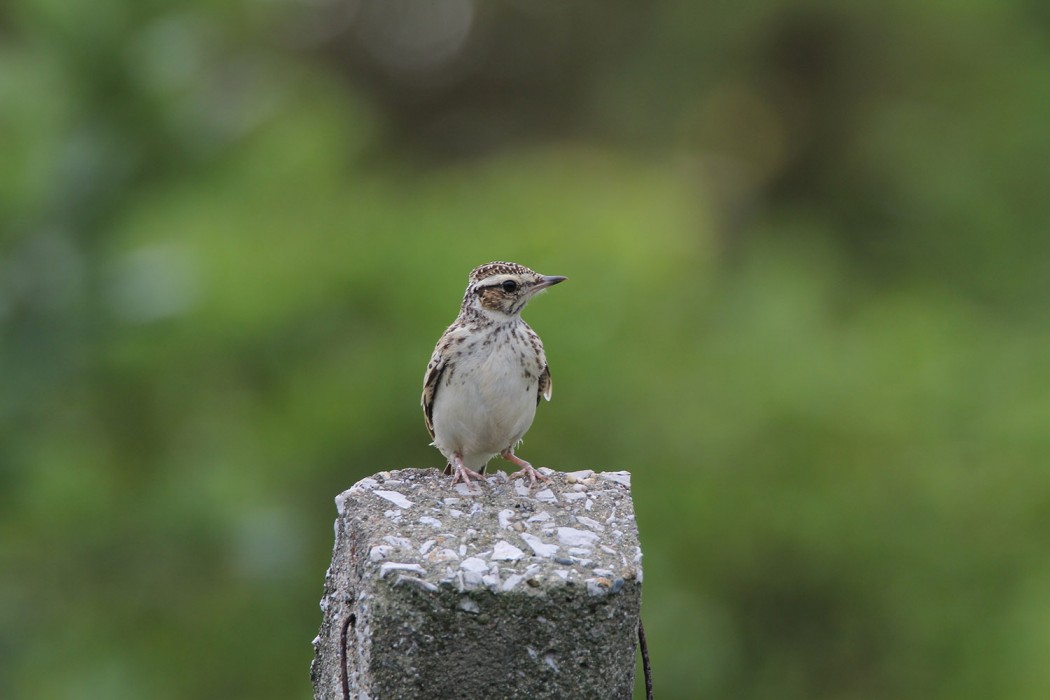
x=488 y=373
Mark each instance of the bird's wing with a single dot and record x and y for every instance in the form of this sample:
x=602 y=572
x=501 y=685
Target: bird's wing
x=435 y=369
x=440 y=363
x=545 y=385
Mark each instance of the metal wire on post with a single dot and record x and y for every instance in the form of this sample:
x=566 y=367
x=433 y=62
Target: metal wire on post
x=344 y=675
x=646 y=669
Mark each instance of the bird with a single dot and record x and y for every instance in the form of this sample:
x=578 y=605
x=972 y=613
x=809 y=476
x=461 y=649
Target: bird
x=487 y=374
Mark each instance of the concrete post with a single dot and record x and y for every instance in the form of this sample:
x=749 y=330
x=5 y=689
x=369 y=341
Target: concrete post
x=490 y=592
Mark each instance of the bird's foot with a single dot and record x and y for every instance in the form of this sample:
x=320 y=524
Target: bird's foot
x=526 y=468
x=463 y=473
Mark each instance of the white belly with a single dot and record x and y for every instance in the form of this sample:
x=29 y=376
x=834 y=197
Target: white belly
x=486 y=406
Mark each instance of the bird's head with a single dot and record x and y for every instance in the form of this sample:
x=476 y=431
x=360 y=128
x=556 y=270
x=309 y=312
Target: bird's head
x=504 y=288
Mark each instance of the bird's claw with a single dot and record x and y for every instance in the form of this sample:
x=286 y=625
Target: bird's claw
x=463 y=473
x=531 y=472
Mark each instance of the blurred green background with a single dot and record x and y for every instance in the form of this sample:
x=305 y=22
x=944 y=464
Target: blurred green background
x=809 y=264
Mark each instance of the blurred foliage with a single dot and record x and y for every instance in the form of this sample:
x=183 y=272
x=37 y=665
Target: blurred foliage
x=809 y=268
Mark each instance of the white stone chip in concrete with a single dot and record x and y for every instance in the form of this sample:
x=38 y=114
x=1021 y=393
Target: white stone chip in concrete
x=398 y=499
x=505 y=551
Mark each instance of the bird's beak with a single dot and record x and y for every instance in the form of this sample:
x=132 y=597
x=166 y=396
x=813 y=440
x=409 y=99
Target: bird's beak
x=549 y=282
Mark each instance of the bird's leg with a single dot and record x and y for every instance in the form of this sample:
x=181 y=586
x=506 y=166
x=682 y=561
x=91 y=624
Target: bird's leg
x=461 y=472
x=526 y=468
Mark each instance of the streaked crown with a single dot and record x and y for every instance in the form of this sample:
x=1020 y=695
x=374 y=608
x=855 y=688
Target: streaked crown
x=492 y=269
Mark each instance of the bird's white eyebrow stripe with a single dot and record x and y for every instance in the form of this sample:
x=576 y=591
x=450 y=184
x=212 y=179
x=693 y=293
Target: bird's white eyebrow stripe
x=496 y=280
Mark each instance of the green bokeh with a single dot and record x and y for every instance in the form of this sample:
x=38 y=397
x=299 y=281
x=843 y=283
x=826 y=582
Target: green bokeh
x=809 y=264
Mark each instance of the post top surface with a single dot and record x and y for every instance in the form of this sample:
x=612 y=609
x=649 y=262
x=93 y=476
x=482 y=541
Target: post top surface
x=577 y=529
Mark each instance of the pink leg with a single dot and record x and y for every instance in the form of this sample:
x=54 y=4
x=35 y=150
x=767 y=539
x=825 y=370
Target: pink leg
x=461 y=472
x=526 y=468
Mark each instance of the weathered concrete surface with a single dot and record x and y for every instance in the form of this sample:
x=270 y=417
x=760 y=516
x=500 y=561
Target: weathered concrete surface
x=488 y=592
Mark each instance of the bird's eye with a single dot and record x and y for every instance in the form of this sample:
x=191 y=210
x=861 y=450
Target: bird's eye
x=509 y=286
